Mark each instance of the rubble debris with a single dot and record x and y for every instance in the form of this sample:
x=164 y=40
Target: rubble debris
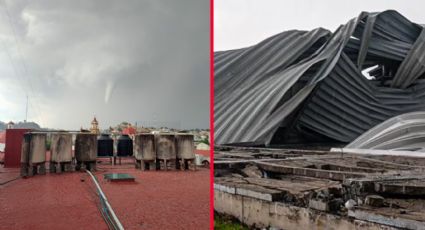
x=376 y=191
x=318 y=205
x=374 y=200
x=252 y=171
x=350 y=204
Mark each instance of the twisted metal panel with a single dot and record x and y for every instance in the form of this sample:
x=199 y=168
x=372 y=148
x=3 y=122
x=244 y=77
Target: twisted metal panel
x=307 y=86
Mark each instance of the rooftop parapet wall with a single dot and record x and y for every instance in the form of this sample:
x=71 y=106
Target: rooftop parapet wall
x=311 y=190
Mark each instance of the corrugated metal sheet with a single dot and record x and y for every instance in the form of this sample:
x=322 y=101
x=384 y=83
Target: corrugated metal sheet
x=403 y=132
x=302 y=86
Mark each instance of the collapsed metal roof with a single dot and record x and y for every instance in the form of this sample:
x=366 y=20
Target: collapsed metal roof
x=404 y=132
x=308 y=86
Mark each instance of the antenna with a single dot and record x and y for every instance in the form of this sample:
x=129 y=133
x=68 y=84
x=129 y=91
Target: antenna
x=26 y=110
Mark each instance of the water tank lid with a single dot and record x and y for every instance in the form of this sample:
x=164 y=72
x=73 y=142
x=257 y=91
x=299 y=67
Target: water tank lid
x=104 y=136
x=124 y=137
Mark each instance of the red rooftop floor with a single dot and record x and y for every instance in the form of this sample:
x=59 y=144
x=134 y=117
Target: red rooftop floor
x=156 y=200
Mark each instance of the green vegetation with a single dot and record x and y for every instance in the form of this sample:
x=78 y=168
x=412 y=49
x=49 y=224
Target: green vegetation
x=48 y=143
x=205 y=141
x=227 y=223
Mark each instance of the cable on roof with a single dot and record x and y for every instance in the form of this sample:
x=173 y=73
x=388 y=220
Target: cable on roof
x=3 y=183
x=107 y=210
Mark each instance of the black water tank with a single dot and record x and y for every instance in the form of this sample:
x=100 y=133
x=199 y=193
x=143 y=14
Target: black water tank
x=125 y=146
x=105 y=146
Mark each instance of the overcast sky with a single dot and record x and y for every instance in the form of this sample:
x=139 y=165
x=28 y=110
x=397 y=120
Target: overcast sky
x=141 y=60
x=241 y=23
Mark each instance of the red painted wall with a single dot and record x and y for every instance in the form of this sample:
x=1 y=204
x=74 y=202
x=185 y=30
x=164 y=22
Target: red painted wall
x=205 y=153
x=3 y=137
x=12 y=151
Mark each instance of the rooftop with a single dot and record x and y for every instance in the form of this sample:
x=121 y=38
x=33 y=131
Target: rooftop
x=156 y=200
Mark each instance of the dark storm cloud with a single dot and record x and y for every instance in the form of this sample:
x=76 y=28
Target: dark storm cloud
x=121 y=60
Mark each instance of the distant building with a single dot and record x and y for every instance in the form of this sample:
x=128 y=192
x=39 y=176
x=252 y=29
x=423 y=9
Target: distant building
x=94 y=126
x=142 y=130
x=3 y=137
x=202 y=146
x=2 y=141
x=130 y=130
x=10 y=125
